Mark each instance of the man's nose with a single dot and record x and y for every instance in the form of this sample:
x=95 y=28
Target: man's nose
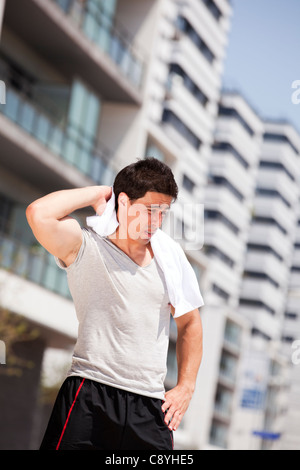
x=156 y=219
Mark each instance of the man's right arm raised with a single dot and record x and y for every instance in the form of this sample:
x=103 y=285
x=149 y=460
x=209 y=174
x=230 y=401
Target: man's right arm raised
x=51 y=224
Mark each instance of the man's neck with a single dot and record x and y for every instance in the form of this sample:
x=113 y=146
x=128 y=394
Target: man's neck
x=141 y=253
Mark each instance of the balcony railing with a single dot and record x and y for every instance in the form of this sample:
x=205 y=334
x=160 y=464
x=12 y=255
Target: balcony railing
x=76 y=151
x=104 y=33
x=34 y=264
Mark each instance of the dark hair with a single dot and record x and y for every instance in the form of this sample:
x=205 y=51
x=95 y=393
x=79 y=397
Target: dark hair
x=145 y=175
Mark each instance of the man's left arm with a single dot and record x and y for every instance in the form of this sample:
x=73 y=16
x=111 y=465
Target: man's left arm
x=189 y=356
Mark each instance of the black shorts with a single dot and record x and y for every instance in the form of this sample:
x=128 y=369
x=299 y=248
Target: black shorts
x=90 y=415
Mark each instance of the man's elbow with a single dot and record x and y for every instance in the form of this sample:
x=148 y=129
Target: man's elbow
x=33 y=214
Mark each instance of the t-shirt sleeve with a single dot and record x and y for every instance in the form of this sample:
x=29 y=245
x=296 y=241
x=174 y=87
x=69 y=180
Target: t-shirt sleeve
x=75 y=263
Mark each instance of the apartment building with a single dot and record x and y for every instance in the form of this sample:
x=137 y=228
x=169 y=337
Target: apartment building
x=228 y=197
x=251 y=204
x=264 y=291
x=291 y=345
x=72 y=71
x=272 y=232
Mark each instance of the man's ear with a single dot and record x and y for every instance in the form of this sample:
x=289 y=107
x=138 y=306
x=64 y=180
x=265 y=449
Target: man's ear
x=123 y=199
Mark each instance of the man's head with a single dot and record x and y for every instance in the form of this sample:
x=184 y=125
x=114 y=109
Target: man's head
x=144 y=191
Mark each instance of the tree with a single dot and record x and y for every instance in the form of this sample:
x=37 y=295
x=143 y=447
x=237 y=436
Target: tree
x=15 y=329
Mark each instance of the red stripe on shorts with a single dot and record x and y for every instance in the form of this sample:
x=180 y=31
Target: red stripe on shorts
x=69 y=414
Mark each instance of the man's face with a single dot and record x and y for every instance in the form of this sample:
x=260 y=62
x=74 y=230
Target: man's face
x=142 y=217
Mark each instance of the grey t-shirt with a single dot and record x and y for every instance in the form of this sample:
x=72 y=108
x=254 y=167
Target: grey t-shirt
x=124 y=314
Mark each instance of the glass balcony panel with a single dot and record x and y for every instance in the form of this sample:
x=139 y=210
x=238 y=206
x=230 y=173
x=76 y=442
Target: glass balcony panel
x=76 y=145
x=84 y=160
x=96 y=19
x=7 y=250
x=97 y=168
x=42 y=129
x=36 y=268
x=90 y=123
x=65 y=5
x=90 y=26
x=27 y=117
x=116 y=49
x=103 y=39
x=56 y=140
x=21 y=261
x=63 y=288
x=11 y=108
x=50 y=278
x=77 y=105
x=107 y=176
x=136 y=71
x=70 y=151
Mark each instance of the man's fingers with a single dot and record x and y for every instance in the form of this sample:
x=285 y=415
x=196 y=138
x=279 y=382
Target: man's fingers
x=176 y=419
x=173 y=418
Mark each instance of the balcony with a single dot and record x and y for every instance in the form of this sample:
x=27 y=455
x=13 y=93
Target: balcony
x=224 y=164
x=262 y=233
x=239 y=138
x=264 y=262
x=87 y=43
x=263 y=291
x=70 y=150
x=32 y=263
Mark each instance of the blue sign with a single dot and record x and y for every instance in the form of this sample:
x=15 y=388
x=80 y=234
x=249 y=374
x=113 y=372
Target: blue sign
x=272 y=436
x=253 y=399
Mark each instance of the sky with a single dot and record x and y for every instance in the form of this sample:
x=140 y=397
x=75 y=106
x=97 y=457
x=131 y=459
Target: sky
x=263 y=56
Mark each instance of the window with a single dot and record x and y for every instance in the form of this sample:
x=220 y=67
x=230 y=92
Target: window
x=260 y=334
x=281 y=138
x=214 y=10
x=226 y=147
x=218 y=434
x=251 y=303
x=220 y=292
x=269 y=221
x=228 y=366
x=221 y=181
x=264 y=249
x=185 y=26
x=189 y=84
x=260 y=276
x=233 y=333
x=276 y=166
x=6 y=207
x=231 y=112
x=171 y=118
x=291 y=315
x=153 y=151
x=218 y=216
x=212 y=251
x=188 y=184
x=84 y=111
x=272 y=193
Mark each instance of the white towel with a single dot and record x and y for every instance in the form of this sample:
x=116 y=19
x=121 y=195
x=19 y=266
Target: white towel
x=181 y=280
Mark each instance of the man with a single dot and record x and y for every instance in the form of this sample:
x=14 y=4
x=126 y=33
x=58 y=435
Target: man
x=114 y=397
